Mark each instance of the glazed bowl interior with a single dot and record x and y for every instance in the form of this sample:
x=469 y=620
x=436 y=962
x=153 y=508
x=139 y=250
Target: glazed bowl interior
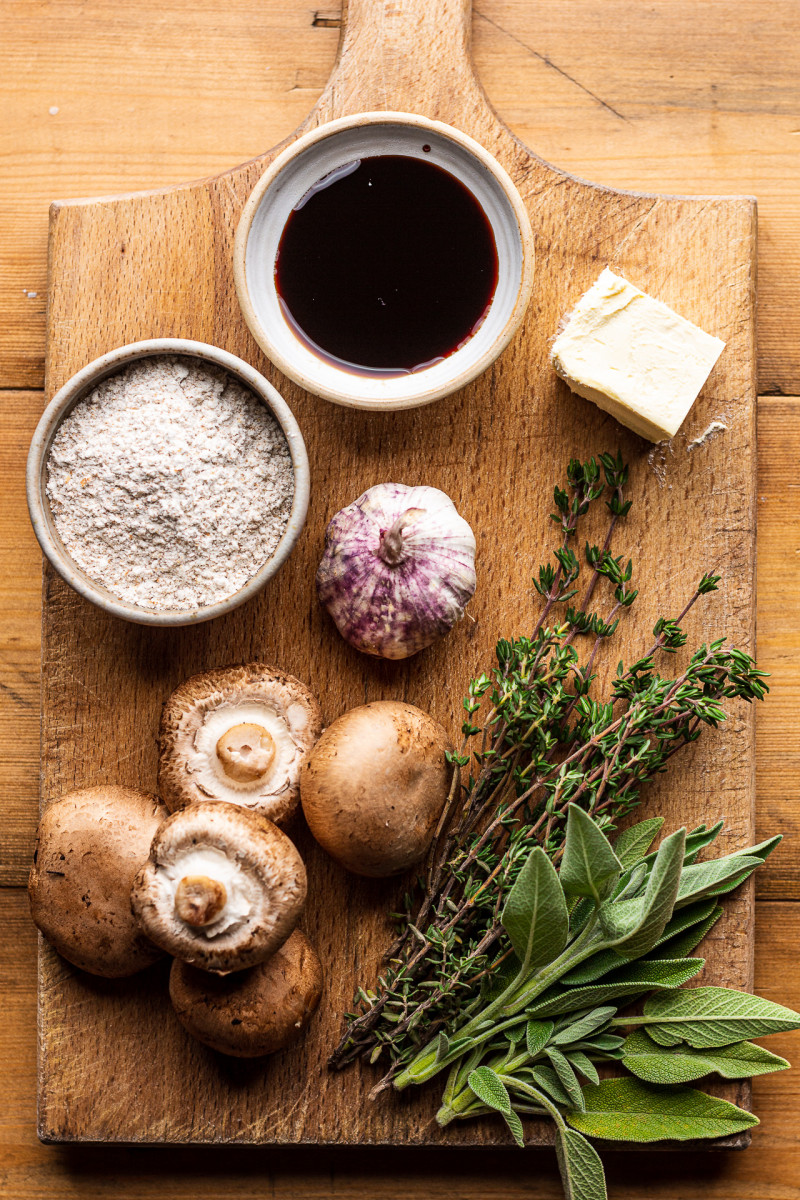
x=290 y=179
x=73 y=392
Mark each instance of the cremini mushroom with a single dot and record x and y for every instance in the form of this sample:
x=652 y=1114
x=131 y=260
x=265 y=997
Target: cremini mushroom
x=251 y=1012
x=223 y=888
x=374 y=786
x=89 y=846
x=238 y=734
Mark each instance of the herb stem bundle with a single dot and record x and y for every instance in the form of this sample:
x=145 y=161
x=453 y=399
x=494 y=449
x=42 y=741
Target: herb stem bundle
x=535 y=742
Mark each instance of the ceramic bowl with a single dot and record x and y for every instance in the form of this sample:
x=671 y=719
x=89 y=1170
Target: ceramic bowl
x=290 y=177
x=63 y=403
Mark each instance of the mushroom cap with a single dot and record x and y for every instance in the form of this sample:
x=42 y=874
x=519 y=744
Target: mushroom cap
x=89 y=846
x=374 y=786
x=199 y=714
x=250 y=1012
x=263 y=887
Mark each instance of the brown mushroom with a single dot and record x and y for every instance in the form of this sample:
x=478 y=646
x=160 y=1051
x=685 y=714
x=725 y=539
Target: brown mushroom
x=238 y=734
x=223 y=887
x=89 y=846
x=374 y=786
x=250 y=1012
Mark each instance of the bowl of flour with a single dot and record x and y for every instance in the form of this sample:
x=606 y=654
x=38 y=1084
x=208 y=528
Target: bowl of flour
x=167 y=482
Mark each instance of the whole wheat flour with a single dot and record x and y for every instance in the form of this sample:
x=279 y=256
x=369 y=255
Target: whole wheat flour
x=170 y=483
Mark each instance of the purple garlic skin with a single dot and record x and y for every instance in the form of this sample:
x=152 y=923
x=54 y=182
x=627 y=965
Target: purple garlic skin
x=398 y=569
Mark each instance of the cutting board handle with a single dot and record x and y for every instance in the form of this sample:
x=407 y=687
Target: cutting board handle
x=404 y=55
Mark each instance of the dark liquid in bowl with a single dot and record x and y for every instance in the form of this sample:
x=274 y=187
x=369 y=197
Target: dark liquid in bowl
x=386 y=265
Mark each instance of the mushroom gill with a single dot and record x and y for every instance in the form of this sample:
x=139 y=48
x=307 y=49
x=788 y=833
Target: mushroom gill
x=223 y=887
x=238 y=734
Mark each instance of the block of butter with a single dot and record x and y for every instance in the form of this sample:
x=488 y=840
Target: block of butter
x=634 y=357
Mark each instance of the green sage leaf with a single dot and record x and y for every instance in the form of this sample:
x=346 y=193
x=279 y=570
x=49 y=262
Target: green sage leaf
x=684 y=931
x=684 y=943
x=681 y=1064
x=714 y=1016
x=631 y=980
x=442 y=1047
x=730 y=885
x=490 y=1089
x=582 y=1174
x=588 y=863
x=582 y=1063
x=763 y=849
x=606 y=1042
x=515 y=1125
x=631 y=882
x=633 y=927
x=584 y=1027
x=714 y=878
x=685 y=918
x=633 y=843
x=537 y=1035
x=699 y=839
x=535 y=915
x=579 y=914
x=696 y=841
x=566 y=1076
x=628 y=1110
x=461 y=1045
x=593 y=968
x=548 y=1081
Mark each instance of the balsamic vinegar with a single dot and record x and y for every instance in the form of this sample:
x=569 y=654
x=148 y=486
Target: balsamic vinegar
x=386 y=265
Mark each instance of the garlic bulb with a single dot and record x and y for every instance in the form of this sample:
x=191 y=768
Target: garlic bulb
x=398 y=569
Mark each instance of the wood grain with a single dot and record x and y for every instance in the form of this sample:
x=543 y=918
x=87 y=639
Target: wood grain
x=769 y=1170
x=778 y=642
x=681 y=97
x=777 y=747
x=158 y=264
x=108 y=77
x=20 y=640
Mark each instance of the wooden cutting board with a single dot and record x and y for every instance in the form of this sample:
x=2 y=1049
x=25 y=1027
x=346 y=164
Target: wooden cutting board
x=114 y=1063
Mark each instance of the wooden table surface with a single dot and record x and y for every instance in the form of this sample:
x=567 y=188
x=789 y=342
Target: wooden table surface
x=684 y=96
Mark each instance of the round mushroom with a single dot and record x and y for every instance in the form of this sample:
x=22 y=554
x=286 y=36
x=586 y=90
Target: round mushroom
x=89 y=846
x=223 y=887
x=250 y=1012
x=238 y=734
x=374 y=786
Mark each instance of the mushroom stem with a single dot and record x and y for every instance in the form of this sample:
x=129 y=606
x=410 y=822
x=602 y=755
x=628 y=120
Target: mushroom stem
x=392 y=547
x=199 y=900
x=246 y=752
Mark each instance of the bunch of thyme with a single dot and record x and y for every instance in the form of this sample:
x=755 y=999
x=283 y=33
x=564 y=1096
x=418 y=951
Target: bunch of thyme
x=535 y=741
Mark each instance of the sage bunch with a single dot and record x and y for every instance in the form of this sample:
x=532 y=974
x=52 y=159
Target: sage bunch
x=614 y=924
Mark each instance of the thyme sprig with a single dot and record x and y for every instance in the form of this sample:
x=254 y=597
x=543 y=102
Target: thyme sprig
x=535 y=741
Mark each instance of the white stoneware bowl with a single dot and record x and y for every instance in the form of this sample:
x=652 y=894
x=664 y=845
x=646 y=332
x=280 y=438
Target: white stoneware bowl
x=66 y=399
x=286 y=182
